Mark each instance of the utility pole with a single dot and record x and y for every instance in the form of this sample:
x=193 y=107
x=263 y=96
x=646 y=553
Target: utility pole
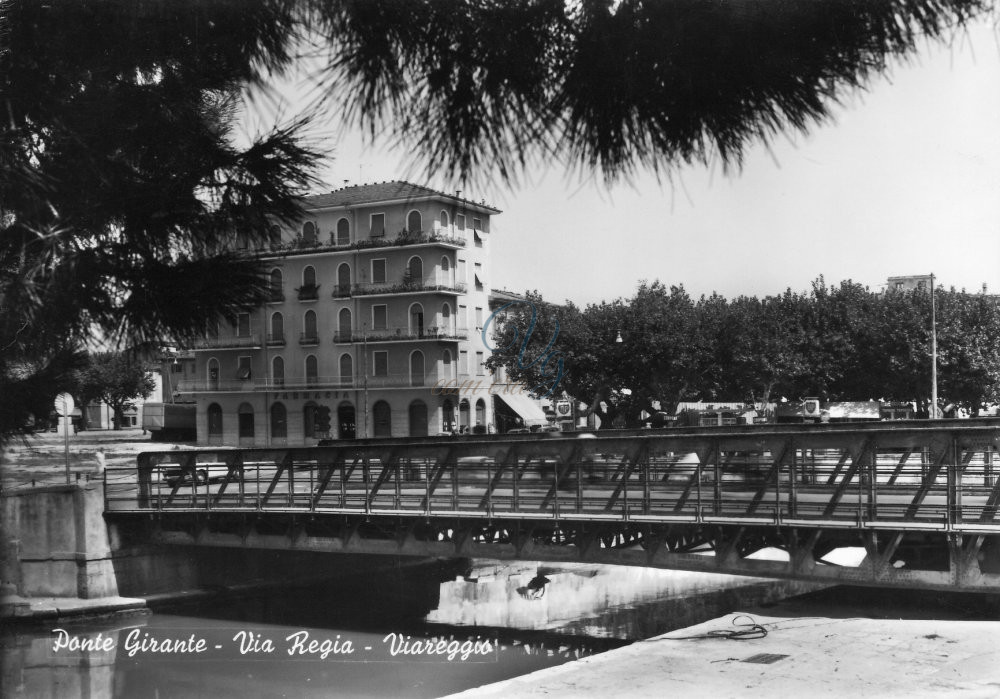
x=934 y=386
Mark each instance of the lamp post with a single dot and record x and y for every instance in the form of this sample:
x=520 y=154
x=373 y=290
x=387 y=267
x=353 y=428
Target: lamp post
x=934 y=386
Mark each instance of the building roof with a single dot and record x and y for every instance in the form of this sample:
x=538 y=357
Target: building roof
x=396 y=190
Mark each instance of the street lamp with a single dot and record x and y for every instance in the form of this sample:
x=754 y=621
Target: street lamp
x=934 y=386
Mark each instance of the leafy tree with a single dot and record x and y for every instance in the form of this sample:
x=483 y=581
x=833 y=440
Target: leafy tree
x=116 y=378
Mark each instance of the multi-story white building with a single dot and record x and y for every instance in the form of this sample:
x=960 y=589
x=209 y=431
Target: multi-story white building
x=378 y=298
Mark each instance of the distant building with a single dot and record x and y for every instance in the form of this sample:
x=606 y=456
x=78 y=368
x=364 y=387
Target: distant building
x=913 y=282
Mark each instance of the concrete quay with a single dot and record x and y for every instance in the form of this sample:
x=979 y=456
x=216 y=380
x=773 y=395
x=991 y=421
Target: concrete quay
x=810 y=649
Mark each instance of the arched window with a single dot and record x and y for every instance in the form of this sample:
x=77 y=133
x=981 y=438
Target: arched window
x=463 y=414
x=309 y=420
x=309 y=276
x=312 y=369
x=246 y=426
x=277 y=329
x=345 y=421
x=278 y=371
x=446 y=277
x=276 y=285
x=344 y=325
x=343 y=232
x=279 y=421
x=417 y=368
x=446 y=371
x=418 y=419
x=481 y=412
x=444 y=218
x=346 y=369
x=448 y=416
x=309 y=231
x=446 y=325
x=382 y=417
x=215 y=423
x=213 y=373
x=416 y=320
x=415 y=270
x=309 y=333
x=344 y=280
x=413 y=222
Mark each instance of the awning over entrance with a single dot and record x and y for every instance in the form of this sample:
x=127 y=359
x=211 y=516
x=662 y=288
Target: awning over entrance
x=524 y=407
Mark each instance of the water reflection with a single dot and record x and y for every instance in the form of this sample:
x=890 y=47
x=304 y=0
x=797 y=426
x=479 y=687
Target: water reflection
x=395 y=634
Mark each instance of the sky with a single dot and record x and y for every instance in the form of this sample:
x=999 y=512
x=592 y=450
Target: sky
x=905 y=179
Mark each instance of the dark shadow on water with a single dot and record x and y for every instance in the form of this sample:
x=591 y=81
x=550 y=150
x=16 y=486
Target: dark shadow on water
x=845 y=601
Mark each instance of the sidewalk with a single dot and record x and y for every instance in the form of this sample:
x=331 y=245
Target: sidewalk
x=801 y=656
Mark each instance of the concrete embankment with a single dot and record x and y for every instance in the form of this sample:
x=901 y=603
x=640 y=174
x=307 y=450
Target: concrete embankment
x=824 y=644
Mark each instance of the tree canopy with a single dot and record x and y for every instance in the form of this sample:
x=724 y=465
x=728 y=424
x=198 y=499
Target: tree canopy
x=123 y=186
x=116 y=378
x=840 y=342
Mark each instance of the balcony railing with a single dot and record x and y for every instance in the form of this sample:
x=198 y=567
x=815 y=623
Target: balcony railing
x=300 y=246
x=229 y=342
x=275 y=296
x=407 y=286
x=275 y=339
x=299 y=383
x=308 y=293
x=402 y=334
x=308 y=338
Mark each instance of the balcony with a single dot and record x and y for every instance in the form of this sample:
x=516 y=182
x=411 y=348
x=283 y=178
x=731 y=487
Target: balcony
x=341 y=291
x=275 y=295
x=230 y=342
x=402 y=334
x=275 y=339
x=308 y=292
x=308 y=339
x=408 y=286
x=300 y=246
x=310 y=383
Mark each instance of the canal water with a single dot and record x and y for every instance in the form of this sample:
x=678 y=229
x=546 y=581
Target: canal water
x=402 y=634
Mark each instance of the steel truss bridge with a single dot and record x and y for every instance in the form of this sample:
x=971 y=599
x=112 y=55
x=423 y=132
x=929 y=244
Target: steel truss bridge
x=918 y=500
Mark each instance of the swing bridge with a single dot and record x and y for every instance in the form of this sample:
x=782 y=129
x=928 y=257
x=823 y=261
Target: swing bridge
x=915 y=503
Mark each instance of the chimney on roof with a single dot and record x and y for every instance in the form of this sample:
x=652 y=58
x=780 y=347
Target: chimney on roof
x=458 y=193
x=984 y=287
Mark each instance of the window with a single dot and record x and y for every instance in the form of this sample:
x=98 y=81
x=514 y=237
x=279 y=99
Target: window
x=343 y=280
x=278 y=371
x=343 y=232
x=446 y=326
x=446 y=361
x=380 y=315
x=479 y=276
x=444 y=219
x=477 y=224
x=312 y=369
x=309 y=231
x=480 y=368
x=345 y=420
x=415 y=270
x=414 y=222
x=380 y=363
x=463 y=316
x=344 y=325
x=279 y=421
x=463 y=362
x=377 y=225
x=463 y=414
x=176 y=368
x=417 y=368
x=213 y=373
x=480 y=412
x=277 y=335
x=461 y=272
x=309 y=276
x=378 y=271
x=242 y=325
x=243 y=372
x=460 y=222
x=346 y=369
x=246 y=426
x=275 y=286
x=310 y=332
x=479 y=318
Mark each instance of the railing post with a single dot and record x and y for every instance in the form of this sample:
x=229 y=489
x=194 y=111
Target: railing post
x=489 y=488
x=291 y=480
x=312 y=486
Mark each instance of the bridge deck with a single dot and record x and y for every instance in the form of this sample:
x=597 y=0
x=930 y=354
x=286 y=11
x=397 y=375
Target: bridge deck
x=919 y=497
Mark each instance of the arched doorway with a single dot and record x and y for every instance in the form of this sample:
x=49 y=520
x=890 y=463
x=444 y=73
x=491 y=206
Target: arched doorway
x=418 y=419
x=246 y=423
x=481 y=414
x=344 y=325
x=345 y=421
x=382 y=417
x=309 y=420
x=463 y=415
x=416 y=320
x=278 y=371
x=277 y=335
x=448 y=416
x=343 y=232
x=346 y=369
x=279 y=422
x=344 y=280
x=215 y=424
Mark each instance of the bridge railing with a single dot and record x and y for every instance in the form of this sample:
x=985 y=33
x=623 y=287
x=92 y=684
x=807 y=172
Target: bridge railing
x=933 y=478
